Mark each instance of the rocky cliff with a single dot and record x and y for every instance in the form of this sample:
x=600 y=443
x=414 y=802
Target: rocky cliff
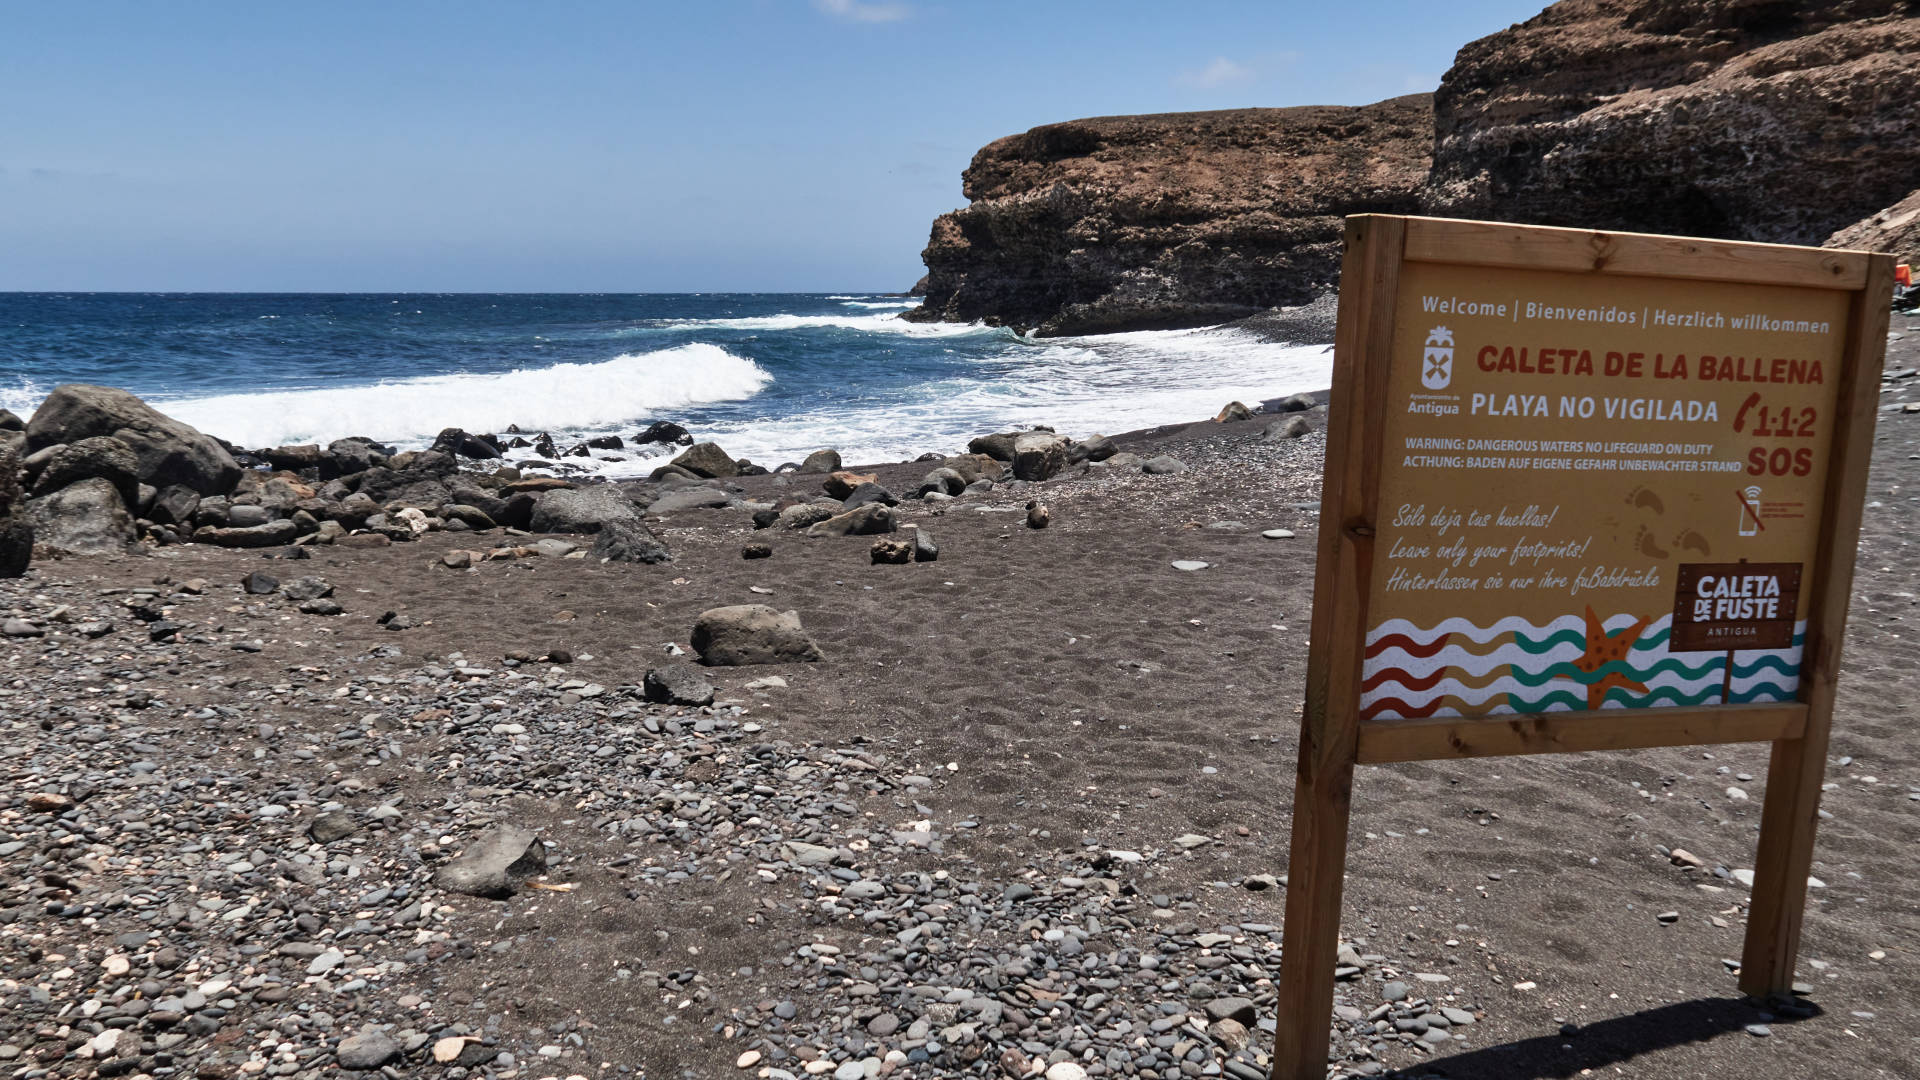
x=1172 y=220
x=1895 y=229
x=1773 y=120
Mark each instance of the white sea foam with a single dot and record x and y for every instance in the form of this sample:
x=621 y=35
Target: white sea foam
x=605 y=395
x=897 y=304
x=1108 y=384
x=872 y=324
x=21 y=396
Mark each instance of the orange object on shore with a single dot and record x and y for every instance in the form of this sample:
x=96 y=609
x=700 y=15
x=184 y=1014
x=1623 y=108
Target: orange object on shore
x=1903 y=276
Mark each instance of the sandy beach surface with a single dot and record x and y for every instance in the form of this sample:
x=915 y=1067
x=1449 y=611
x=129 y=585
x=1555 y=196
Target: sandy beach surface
x=1015 y=823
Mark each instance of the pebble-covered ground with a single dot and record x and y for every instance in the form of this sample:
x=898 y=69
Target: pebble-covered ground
x=1029 y=818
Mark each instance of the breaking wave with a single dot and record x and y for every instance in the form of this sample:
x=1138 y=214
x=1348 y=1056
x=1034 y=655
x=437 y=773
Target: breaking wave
x=605 y=395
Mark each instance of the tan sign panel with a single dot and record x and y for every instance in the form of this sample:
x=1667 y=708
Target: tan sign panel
x=1557 y=448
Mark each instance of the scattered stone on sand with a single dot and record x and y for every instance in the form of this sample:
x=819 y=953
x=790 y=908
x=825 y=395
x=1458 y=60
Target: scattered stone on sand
x=1091 y=448
x=1163 y=465
x=677 y=684
x=840 y=484
x=628 y=540
x=693 y=498
x=493 y=864
x=332 y=825
x=745 y=634
x=869 y=492
x=869 y=520
x=1290 y=427
x=1038 y=516
x=894 y=552
x=1234 y=412
x=370 y=1049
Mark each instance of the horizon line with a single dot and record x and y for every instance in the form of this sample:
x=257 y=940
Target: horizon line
x=437 y=292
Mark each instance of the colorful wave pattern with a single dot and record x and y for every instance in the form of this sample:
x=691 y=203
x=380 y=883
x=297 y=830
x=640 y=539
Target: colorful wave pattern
x=1457 y=668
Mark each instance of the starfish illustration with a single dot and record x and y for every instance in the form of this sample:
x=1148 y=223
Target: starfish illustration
x=1602 y=650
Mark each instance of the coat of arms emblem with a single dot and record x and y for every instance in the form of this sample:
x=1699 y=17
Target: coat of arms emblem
x=1436 y=368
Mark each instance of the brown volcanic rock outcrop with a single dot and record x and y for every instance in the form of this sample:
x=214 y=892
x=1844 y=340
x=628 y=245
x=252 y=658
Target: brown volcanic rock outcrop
x=1895 y=230
x=1769 y=120
x=1170 y=220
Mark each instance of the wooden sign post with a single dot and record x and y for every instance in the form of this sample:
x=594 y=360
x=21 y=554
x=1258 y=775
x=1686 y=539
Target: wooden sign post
x=1584 y=491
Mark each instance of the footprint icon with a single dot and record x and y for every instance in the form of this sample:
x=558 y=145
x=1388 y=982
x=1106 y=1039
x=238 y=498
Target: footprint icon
x=1691 y=540
x=1641 y=498
x=1648 y=546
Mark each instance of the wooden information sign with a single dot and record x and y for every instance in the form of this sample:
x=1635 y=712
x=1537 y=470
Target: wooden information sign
x=1583 y=491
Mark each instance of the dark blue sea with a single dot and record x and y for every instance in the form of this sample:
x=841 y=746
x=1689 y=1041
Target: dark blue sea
x=770 y=377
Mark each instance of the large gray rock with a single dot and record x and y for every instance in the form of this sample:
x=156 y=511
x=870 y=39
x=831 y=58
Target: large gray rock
x=109 y=459
x=708 y=460
x=752 y=634
x=346 y=457
x=629 y=542
x=821 y=462
x=166 y=450
x=975 y=467
x=1038 y=455
x=493 y=865
x=83 y=518
x=998 y=446
x=1092 y=448
x=801 y=515
x=582 y=510
x=869 y=520
x=943 y=480
x=869 y=492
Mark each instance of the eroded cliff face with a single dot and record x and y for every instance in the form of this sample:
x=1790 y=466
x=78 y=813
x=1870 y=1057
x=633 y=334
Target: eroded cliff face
x=1172 y=220
x=1895 y=230
x=1772 y=120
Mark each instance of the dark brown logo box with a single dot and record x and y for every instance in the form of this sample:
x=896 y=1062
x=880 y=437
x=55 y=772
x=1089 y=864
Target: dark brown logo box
x=1697 y=627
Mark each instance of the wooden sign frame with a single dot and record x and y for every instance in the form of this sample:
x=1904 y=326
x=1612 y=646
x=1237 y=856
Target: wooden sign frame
x=1333 y=740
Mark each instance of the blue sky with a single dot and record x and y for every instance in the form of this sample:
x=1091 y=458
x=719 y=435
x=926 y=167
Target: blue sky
x=745 y=145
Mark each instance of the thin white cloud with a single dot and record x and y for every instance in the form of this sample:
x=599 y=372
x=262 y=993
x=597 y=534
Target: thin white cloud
x=1218 y=72
x=862 y=11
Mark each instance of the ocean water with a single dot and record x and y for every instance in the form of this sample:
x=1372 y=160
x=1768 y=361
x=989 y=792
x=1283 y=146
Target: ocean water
x=770 y=377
